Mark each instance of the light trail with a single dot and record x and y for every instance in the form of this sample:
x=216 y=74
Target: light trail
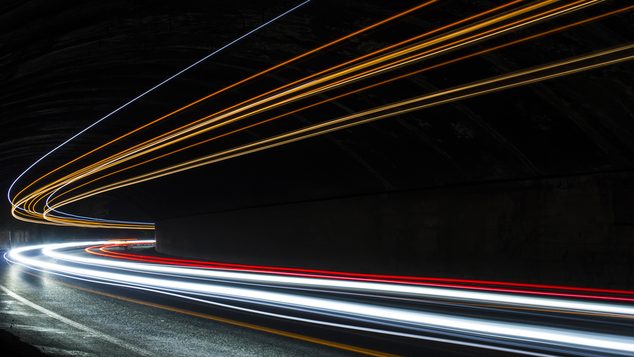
x=363 y=286
x=540 y=73
x=294 y=59
x=392 y=305
x=126 y=104
x=380 y=316
x=51 y=190
x=287 y=317
x=624 y=296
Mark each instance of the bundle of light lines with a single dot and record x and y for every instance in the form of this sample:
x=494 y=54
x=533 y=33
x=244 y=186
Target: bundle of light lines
x=293 y=295
x=40 y=201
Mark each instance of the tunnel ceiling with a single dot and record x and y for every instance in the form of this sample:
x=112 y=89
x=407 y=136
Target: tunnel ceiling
x=64 y=65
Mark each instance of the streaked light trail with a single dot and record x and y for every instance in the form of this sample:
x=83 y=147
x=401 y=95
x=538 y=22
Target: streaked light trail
x=624 y=296
x=533 y=319
x=467 y=91
x=41 y=204
x=340 y=299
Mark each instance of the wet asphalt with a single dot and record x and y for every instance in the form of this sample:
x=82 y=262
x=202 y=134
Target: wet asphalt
x=68 y=317
x=118 y=325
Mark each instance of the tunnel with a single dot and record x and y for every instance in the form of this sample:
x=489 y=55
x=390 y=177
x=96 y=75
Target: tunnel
x=532 y=182
x=338 y=173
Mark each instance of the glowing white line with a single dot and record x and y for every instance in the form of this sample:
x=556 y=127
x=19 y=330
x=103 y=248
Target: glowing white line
x=293 y=318
x=540 y=334
x=146 y=92
x=76 y=324
x=422 y=291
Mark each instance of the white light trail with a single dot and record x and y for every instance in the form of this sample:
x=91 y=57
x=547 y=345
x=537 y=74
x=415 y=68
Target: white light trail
x=330 y=306
x=293 y=318
x=373 y=287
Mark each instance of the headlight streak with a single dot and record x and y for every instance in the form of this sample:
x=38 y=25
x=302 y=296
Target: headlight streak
x=282 y=316
x=415 y=299
x=399 y=15
x=51 y=190
x=392 y=278
x=503 y=287
x=411 y=299
x=382 y=22
x=477 y=285
x=404 y=318
x=409 y=290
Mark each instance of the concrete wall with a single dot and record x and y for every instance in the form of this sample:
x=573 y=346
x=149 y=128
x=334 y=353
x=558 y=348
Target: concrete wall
x=567 y=230
x=11 y=238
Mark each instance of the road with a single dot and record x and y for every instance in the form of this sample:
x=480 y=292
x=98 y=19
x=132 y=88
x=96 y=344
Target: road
x=124 y=302
x=110 y=326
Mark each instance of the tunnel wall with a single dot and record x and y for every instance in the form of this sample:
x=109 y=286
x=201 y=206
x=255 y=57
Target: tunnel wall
x=565 y=230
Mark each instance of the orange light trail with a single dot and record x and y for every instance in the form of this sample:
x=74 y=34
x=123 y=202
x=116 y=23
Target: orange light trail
x=430 y=44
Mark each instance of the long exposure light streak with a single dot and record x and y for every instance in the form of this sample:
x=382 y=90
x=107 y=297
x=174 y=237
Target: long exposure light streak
x=524 y=10
x=516 y=317
x=623 y=296
x=330 y=99
x=539 y=73
x=48 y=192
x=135 y=147
x=410 y=321
x=418 y=291
x=287 y=317
x=371 y=86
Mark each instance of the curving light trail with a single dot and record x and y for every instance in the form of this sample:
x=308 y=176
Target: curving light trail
x=623 y=296
x=532 y=319
x=126 y=104
x=351 y=304
x=532 y=37
x=533 y=75
x=40 y=205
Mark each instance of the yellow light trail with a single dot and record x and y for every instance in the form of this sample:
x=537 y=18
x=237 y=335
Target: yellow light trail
x=622 y=53
x=531 y=37
x=259 y=74
x=431 y=32
x=334 y=77
x=523 y=10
